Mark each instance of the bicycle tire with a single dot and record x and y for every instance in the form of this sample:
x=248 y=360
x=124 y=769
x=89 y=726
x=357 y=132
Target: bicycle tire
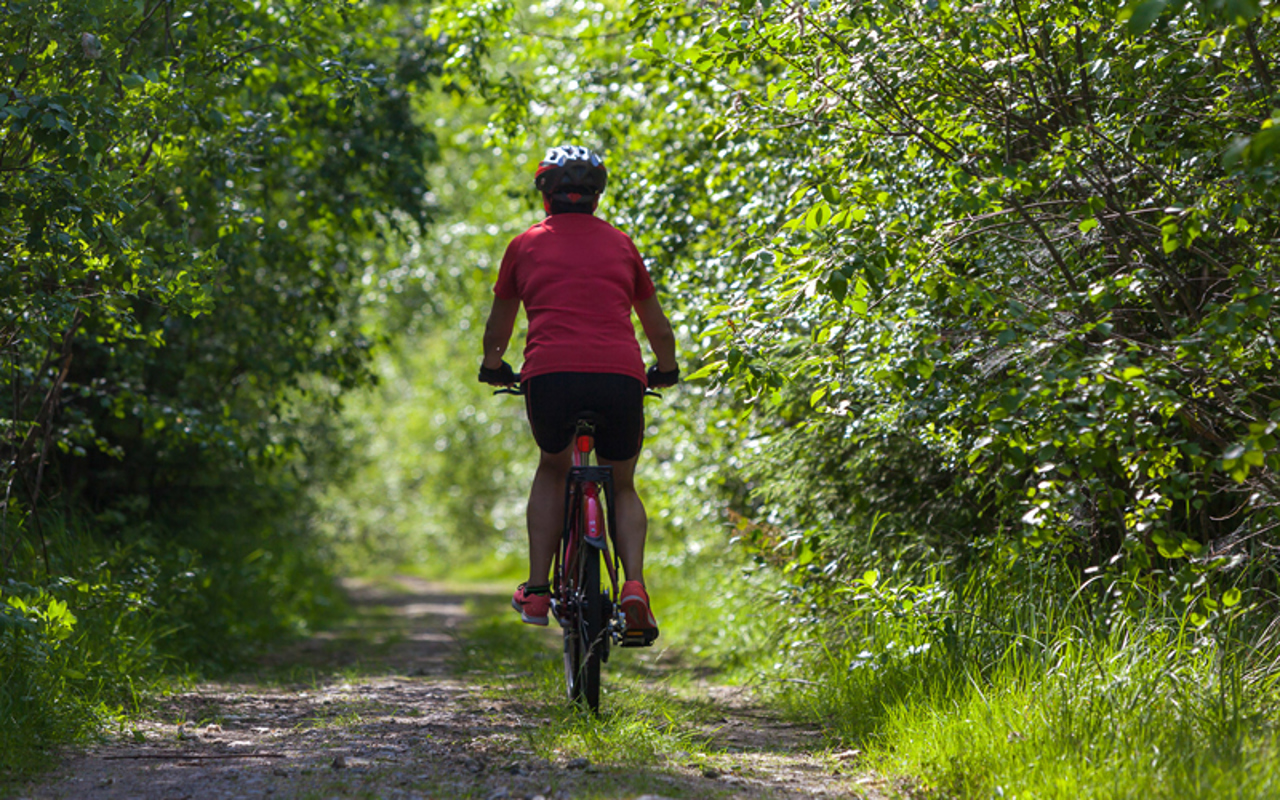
x=584 y=623
x=571 y=613
x=593 y=624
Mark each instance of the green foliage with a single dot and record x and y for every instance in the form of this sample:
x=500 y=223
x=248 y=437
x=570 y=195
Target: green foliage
x=117 y=620
x=34 y=677
x=1004 y=247
x=195 y=199
x=441 y=485
x=75 y=652
x=193 y=195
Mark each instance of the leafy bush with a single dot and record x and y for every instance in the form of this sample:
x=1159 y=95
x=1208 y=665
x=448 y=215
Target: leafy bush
x=76 y=652
x=195 y=196
x=37 y=696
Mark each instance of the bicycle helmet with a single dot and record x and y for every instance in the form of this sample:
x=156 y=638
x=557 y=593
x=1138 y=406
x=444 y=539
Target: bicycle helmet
x=570 y=170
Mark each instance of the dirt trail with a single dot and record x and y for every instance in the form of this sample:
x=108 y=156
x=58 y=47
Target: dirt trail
x=377 y=713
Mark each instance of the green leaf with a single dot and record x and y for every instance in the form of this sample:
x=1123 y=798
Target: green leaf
x=1231 y=597
x=818 y=216
x=1089 y=224
x=806 y=555
x=1169 y=546
x=1240 y=12
x=713 y=368
x=1264 y=145
x=1140 y=14
x=1234 y=154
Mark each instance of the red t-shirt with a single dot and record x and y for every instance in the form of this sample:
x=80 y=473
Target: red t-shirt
x=578 y=277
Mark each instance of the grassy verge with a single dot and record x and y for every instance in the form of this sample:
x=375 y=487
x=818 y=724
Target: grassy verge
x=981 y=693
x=95 y=619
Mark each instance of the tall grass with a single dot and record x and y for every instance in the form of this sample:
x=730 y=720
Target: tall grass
x=95 y=615
x=76 y=651
x=993 y=690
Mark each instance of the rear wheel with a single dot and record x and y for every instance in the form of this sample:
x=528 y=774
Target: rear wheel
x=593 y=630
x=584 y=635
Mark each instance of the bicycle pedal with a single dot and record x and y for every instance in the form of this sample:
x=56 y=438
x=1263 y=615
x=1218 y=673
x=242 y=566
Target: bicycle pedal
x=640 y=638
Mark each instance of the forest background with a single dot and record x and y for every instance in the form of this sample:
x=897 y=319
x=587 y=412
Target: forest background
x=976 y=465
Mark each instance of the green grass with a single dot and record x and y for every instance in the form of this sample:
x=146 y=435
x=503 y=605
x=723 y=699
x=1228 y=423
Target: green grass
x=1124 y=731
x=95 y=621
x=715 y=618
x=642 y=721
x=655 y=730
x=990 y=694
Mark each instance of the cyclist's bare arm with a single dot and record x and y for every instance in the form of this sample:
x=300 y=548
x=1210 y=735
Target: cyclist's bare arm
x=497 y=331
x=658 y=331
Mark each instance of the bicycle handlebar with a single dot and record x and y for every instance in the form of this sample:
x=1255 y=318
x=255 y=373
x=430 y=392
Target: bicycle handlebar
x=518 y=389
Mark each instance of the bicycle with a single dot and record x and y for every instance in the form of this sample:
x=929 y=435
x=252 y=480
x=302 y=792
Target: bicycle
x=590 y=618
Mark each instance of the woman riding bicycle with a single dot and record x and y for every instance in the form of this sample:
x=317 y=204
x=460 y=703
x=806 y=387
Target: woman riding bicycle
x=579 y=279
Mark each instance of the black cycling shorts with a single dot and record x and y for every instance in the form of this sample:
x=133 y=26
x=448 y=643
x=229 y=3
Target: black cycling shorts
x=557 y=400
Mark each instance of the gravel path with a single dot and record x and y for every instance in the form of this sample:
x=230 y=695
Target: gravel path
x=388 y=718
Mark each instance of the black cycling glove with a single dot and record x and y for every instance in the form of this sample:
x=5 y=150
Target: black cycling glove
x=659 y=379
x=498 y=376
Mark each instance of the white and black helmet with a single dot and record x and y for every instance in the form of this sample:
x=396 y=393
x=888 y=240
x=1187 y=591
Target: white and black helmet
x=571 y=168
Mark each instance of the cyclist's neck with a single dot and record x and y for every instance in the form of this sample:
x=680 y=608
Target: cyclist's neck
x=558 y=208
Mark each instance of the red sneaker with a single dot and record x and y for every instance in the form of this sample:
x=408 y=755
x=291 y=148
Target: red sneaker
x=533 y=608
x=635 y=604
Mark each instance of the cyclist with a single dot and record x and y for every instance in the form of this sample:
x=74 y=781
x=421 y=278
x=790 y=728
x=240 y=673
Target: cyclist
x=579 y=279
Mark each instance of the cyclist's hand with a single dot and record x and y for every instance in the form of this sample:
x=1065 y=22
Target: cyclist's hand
x=659 y=379
x=498 y=376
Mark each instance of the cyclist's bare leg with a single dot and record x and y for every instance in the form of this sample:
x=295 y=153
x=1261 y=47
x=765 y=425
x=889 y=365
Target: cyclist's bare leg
x=633 y=523
x=545 y=513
